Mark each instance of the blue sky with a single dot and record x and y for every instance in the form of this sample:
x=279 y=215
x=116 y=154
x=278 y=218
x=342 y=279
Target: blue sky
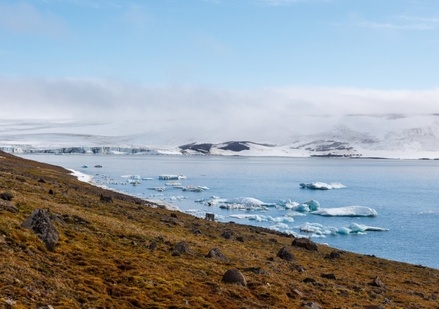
x=228 y=43
x=269 y=54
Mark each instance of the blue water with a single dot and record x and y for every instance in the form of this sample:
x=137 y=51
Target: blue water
x=405 y=193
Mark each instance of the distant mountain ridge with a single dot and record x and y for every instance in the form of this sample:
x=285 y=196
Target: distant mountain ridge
x=339 y=141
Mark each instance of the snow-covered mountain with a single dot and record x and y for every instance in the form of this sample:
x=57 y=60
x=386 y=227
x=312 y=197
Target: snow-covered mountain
x=360 y=136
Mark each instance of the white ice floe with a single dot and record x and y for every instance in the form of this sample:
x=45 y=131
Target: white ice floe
x=320 y=230
x=308 y=206
x=195 y=188
x=322 y=185
x=348 y=211
x=262 y=218
x=247 y=203
x=171 y=177
x=356 y=228
x=317 y=229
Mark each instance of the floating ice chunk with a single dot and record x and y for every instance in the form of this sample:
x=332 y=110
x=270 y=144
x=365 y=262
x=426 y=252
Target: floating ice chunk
x=173 y=184
x=247 y=201
x=348 y=211
x=344 y=230
x=262 y=218
x=361 y=228
x=293 y=213
x=195 y=188
x=171 y=177
x=257 y=218
x=317 y=229
x=158 y=189
x=311 y=205
x=322 y=185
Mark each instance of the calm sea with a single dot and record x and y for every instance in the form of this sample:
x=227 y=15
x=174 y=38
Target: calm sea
x=405 y=193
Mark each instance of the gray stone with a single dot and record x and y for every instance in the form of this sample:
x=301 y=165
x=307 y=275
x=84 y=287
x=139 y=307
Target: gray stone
x=285 y=254
x=216 y=253
x=234 y=276
x=305 y=243
x=41 y=224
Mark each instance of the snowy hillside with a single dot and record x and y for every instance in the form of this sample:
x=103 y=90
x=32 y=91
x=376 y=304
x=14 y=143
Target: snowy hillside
x=359 y=136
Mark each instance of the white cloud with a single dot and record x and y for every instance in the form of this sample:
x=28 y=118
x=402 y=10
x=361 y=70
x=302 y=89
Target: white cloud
x=206 y=114
x=404 y=23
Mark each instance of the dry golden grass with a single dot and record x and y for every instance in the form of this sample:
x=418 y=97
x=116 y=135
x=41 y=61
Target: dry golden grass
x=122 y=255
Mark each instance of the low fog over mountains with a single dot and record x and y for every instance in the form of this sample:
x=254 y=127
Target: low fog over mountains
x=355 y=135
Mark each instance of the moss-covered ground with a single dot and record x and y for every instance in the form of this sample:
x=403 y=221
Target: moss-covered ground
x=121 y=253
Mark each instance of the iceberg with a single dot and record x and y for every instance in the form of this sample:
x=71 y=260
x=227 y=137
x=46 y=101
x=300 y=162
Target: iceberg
x=361 y=228
x=311 y=205
x=248 y=203
x=348 y=211
x=262 y=218
x=319 y=230
x=195 y=188
x=322 y=185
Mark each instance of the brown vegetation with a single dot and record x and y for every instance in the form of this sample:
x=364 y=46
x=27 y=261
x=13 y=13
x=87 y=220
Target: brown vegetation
x=116 y=251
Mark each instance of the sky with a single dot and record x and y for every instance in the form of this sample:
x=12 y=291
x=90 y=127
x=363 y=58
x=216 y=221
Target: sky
x=232 y=69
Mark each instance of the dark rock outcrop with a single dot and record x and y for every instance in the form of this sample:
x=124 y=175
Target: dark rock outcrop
x=41 y=224
x=181 y=248
x=234 y=276
x=8 y=206
x=106 y=199
x=7 y=196
x=377 y=282
x=285 y=254
x=216 y=253
x=311 y=305
x=305 y=243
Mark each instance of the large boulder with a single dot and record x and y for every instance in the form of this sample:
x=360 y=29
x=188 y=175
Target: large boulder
x=216 y=253
x=305 y=243
x=234 y=276
x=285 y=254
x=41 y=224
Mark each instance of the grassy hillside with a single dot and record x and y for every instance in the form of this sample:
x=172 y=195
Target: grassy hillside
x=116 y=251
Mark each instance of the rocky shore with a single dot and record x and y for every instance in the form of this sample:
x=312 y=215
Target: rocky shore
x=68 y=244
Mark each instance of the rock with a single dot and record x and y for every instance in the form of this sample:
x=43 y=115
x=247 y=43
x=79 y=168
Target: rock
x=305 y=243
x=333 y=255
x=8 y=206
x=106 y=199
x=227 y=234
x=256 y=270
x=181 y=248
x=309 y=280
x=328 y=276
x=295 y=293
x=216 y=253
x=234 y=276
x=7 y=196
x=373 y=307
x=285 y=254
x=377 y=282
x=311 y=305
x=41 y=224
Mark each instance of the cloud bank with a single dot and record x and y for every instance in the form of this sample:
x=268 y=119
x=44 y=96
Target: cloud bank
x=185 y=113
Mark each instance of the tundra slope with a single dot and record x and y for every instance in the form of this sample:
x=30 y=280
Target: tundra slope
x=117 y=251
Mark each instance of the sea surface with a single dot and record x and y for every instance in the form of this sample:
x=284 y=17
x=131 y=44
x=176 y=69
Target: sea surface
x=404 y=193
